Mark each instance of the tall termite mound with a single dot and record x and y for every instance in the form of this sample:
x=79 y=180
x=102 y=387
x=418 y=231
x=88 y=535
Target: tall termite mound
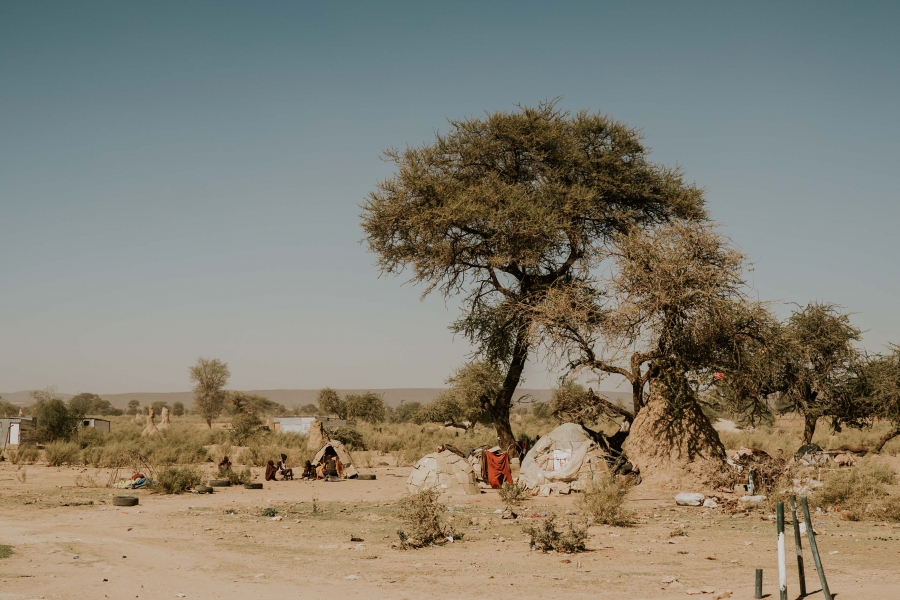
x=673 y=445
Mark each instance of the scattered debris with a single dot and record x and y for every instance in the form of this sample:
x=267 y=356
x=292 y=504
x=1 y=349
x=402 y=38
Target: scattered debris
x=689 y=499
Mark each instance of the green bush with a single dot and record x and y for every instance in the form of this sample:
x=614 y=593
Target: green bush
x=604 y=502
x=545 y=536
x=5 y=551
x=174 y=480
x=349 y=437
x=235 y=477
x=422 y=515
x=62 y=453
x=26 y=454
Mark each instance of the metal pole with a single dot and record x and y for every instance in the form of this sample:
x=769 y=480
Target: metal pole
x=814 y=548
x=758 y=584
x=798 y=547
x=782 y=567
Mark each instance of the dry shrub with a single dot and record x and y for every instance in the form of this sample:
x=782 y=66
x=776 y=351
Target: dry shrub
x=545 y=536
x=604 y=502
x=86 y=481
x=422 y=515
x=25 y=454
x=890 y=509
x=513 y=494
x=855 y=488
x=5 y=551
x=22 y=474
x=235 y=477
x=62 y=453
x=174 y=480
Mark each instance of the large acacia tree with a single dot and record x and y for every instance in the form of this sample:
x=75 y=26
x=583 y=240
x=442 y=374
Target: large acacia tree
x=209 y=376
x=503 y=208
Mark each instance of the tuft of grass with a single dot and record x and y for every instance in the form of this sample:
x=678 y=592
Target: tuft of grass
x=604 y=502
x=423 y=520
x=175 y=480
x=5 y=551
x=513 y=494
x=235 y=477
x=890 y=509
x=546 y=537
x=269 y=511
x=25 y=454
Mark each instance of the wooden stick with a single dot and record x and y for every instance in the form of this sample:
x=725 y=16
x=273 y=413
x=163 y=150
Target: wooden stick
x=814 y=548
x=758 y=584
x=782 y=567
x=798 y=547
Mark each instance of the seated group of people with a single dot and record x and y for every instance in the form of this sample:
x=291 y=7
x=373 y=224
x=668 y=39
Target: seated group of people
x=329 y=467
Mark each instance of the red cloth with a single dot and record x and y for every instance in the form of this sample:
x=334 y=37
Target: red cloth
x=498 y=469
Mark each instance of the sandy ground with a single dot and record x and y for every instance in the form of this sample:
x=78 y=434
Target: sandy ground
x=218 y=546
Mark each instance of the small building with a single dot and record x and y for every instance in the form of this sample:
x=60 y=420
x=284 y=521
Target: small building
x=14 y=431
x=101 y=425
x=301 y=424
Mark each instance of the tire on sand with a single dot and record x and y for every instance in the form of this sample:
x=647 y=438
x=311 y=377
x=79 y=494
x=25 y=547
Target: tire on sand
x=125 y=501
x=219 y=483
x=369 y=477
x=253 y=486
x=203 y=489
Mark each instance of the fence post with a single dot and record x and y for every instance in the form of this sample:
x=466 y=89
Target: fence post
x=814 y=548
x=758 y=584
x=782 y=567
x=798 y=547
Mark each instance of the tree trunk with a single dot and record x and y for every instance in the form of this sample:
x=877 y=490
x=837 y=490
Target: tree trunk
x=809 y=428
x=669 y=446
x=503 y=402
x=637 y=393
x=886 y=438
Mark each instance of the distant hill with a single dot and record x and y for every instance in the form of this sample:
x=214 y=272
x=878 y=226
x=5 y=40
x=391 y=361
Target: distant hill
x=392 y=396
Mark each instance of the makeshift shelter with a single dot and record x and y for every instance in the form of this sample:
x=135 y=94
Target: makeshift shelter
x=338 y=449
x=14 y=431
x=566 y=458
x=101 y=425
x=445 y=471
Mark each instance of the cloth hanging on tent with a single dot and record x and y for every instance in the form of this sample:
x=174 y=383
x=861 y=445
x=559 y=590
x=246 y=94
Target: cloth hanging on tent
x=498 y=469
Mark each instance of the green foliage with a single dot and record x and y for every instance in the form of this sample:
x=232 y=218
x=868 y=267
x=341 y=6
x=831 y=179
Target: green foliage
x=269 y=511
x=175 y=480
x=604 y=502
x=133 y=408
x=407 y=412
x=25 y=454
x=541 y=410
x=158 y=405
x=307 y=410
x=209 y=377
x=87 y=404
x=330 y=403
x=178 y=409
x=5 y=551
x=513 y=494
x=53 y=421
x=8 y=409
x=235 y=477
x=546 y=537
x=423 y=520
x=349 y=437
x=62 y=453
x=367 y=407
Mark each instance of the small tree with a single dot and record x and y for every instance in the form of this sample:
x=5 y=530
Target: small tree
x=307 y=409
x=53 y=421
x=818 y=367
x=330 y=403
x=8 y=409
x=209 y=377
x=878 y=385
x=245 y=409
x=178 y=409
x=368 y=407
x=407 y=412
x=134 y=407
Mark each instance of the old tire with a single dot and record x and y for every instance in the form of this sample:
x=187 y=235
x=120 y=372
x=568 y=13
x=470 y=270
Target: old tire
x=203 y=489
x=219 y=483
x=125 y=501
x=366 y=477
x=253 y=486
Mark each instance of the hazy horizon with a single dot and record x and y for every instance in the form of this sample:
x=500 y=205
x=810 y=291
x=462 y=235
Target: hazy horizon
x=184 y=180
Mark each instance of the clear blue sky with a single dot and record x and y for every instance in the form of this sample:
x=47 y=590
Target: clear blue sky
x=184 y=179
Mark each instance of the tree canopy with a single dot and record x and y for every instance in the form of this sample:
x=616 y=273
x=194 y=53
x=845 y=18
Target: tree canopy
x=502 y=209
x=210 y=377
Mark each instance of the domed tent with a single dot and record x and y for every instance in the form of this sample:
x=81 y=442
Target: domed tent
x=338 y=449
x=567 y=455
x=445 y=471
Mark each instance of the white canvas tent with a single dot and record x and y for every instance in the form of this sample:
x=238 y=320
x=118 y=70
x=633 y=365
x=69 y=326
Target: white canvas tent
x=349 y=470
x=567 y=456
x=446 y=471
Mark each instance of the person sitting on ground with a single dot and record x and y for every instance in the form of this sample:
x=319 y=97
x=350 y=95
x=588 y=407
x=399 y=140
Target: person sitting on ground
x=331 y=469
x=308 y=471
x=320 y=470
x=286 y=472
x=270 y=470
x=225 y=463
